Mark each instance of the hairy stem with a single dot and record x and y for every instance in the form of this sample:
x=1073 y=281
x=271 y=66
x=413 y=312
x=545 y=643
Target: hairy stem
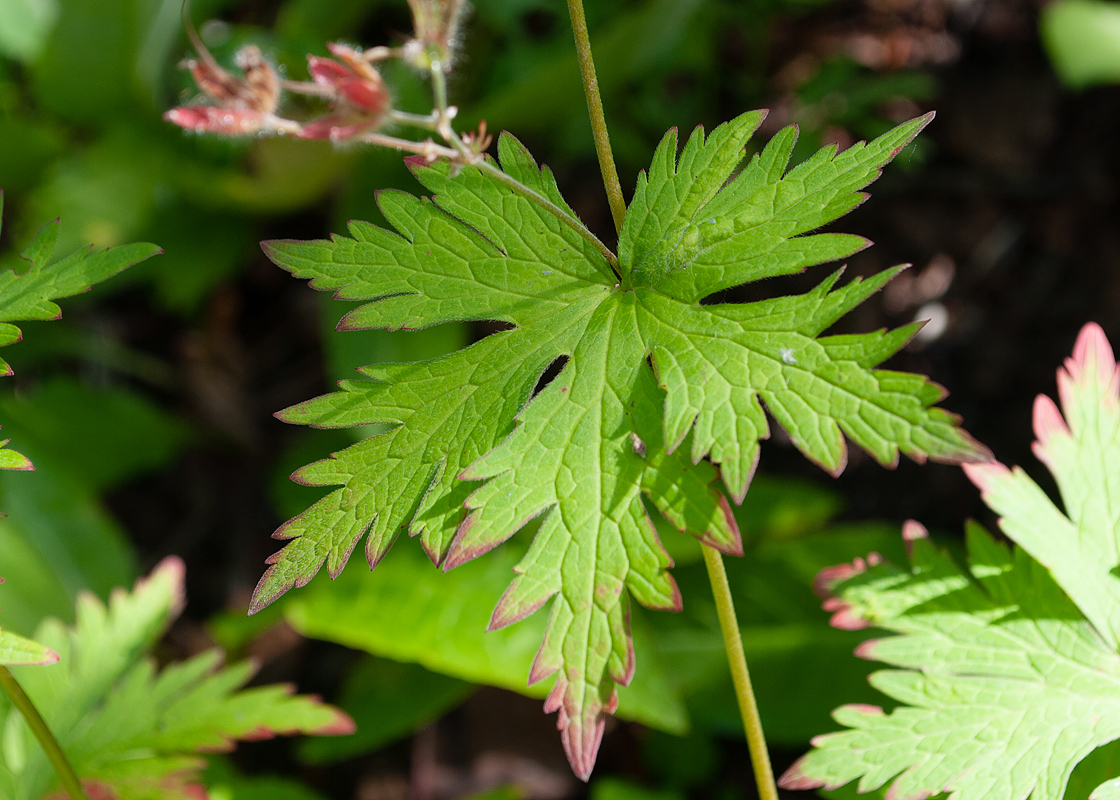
x=598 y=119
x=744 y=693
x=66 y=775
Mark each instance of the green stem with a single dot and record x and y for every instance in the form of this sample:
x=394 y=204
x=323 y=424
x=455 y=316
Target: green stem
x=66 y=775
x=595 y=109
x=752 y=724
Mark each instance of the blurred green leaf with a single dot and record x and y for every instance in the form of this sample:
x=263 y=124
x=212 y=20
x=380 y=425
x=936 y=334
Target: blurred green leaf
x=549 y=100
x=55 y=541
x=100 y=437
x=345 y=354
x=224 y=782
x=201 y=249
x=108 y=192
x=409 y=610
x=681 y=761
x=83 y=72
x=1102 y=764
x=130 y=725
x=388 y=700
x=27 y=147
x=618 y=789
x=24 y=26
x=1082 y=38
x=320 y=20
x=16 y=650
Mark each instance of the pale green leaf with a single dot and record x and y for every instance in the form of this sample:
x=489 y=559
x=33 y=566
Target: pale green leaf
x=1014 y=686
x=1081 y=546
x=1109 y=790
x=1082 y=38
x=608 y=434
x=1011 y=675
x=25 y=25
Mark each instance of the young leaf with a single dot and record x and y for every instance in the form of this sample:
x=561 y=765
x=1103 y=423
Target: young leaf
x=1011 y=674
x=30 y=295
x=608 y=431
x=134 y=731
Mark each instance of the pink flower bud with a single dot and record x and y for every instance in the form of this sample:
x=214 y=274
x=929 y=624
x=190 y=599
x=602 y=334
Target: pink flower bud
x=215 y=119
x=364 y=94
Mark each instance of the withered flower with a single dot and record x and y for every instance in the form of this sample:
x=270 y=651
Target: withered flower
x=436 y=30
x=242 y=105
x=478 y=142
x=360 y=96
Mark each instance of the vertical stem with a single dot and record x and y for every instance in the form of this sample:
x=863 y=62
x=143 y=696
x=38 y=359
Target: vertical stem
x=752 y=724
x=595 y=109
x=38 y=725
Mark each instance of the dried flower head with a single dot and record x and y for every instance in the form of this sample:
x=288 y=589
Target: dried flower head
x=242 y=105
x=359 y=94
x=478 y=142
x=436 y=31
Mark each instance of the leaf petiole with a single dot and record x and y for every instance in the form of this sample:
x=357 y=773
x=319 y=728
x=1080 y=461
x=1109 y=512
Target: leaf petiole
x=549 y=206
x=66 y=775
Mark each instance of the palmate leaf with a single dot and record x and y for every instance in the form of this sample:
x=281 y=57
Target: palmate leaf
x=609 y=430
x=1011 y=674
x=30 y=295
x=133 y=732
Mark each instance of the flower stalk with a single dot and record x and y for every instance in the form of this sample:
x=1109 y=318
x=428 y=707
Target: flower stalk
x=595 y=111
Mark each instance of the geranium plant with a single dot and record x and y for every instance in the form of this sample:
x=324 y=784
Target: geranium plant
x=659 y=393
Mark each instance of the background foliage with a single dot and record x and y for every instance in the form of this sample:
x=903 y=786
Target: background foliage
x=147 y=409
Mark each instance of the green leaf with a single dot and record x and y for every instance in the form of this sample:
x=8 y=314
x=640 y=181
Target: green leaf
x=1082 y=38
x=387 y=700
x=24 y=26
x=608 y=434
x=56 y=541
x=408 y=611
x=10 y=459
x=29 y=295
x=101 y=436
x=616 y=789
x=1011 y=674
x=18 y=651
x=132 y=727
x=1082 y=452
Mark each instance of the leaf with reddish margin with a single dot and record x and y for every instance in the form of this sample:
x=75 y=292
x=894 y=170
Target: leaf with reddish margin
x=659 y=395
x=135 y=731
x=1011 y=674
